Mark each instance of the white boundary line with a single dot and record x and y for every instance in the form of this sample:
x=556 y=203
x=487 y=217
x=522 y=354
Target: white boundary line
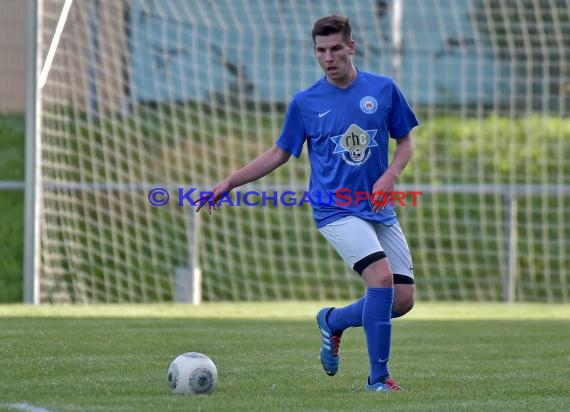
x=25 y=406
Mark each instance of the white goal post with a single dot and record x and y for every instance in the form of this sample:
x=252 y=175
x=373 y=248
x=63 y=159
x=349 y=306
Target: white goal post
x=127 y=97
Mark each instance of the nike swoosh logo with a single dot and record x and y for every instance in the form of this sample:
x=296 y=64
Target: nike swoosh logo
x=324 y=113
x=382 y=360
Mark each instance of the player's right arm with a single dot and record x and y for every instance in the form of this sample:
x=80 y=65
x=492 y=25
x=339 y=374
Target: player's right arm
x=262 y=165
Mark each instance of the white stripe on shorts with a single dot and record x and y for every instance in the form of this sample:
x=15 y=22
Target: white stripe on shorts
x=354 y=239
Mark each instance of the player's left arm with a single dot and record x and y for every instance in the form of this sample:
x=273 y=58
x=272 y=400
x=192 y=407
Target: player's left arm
x=402 y=155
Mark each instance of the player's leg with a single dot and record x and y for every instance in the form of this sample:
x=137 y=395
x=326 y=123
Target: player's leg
x=357 y=243
x=353 y=239
x=403 y=298
x=350 y=316
x=376 y=318
x=396 y=247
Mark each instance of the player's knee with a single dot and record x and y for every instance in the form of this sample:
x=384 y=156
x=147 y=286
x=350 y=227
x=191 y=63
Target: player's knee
x=375 y=270
x=403 y=295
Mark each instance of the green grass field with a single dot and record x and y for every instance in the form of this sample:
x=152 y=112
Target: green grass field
x=449 y=357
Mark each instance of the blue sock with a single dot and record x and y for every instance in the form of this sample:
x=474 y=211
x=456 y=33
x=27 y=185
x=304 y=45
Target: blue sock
x=376 y=319
x=348 y=316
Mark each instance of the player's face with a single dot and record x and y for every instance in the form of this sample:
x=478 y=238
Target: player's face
x=334 y=56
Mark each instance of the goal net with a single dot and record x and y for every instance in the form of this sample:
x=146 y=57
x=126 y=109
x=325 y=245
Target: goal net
x=134 y=97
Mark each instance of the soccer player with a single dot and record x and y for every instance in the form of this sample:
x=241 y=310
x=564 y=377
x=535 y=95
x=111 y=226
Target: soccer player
x=346 y=119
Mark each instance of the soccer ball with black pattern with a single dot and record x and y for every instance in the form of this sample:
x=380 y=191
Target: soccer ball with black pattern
x=192 y=373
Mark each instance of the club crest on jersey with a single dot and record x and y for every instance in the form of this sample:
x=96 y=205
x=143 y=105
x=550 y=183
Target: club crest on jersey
x=354 y=144
x=368 y=104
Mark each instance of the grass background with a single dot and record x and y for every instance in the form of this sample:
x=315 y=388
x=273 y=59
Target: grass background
x=12 y=147
x=449 y=357
x=464 y=230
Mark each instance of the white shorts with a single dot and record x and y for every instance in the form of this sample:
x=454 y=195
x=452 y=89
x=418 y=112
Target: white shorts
x=354 y=239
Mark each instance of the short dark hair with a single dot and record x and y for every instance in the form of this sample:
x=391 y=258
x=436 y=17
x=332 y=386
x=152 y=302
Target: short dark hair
x=332 y=25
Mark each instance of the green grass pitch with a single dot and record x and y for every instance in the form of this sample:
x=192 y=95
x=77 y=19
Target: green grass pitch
x=449 y=357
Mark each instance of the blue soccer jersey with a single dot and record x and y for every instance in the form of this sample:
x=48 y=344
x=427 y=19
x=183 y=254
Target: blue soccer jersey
x=347 y=132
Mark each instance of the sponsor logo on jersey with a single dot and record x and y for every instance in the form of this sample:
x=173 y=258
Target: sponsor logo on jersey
x=354 y=144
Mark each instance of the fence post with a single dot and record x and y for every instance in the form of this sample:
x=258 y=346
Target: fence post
x=509 y=282
x=188 y=280
x=31 y=287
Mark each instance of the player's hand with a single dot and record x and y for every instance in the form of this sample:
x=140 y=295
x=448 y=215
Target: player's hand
x=213 y=196
x=382 y=191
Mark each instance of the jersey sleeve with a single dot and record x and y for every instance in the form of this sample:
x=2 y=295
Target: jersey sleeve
x=402 y=119
x=293 y=134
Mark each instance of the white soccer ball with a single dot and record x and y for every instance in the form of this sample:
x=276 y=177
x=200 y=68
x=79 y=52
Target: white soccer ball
x=192 y=373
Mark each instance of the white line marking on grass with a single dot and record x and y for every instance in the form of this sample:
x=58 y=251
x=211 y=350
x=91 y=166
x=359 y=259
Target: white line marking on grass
x=25 y=406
